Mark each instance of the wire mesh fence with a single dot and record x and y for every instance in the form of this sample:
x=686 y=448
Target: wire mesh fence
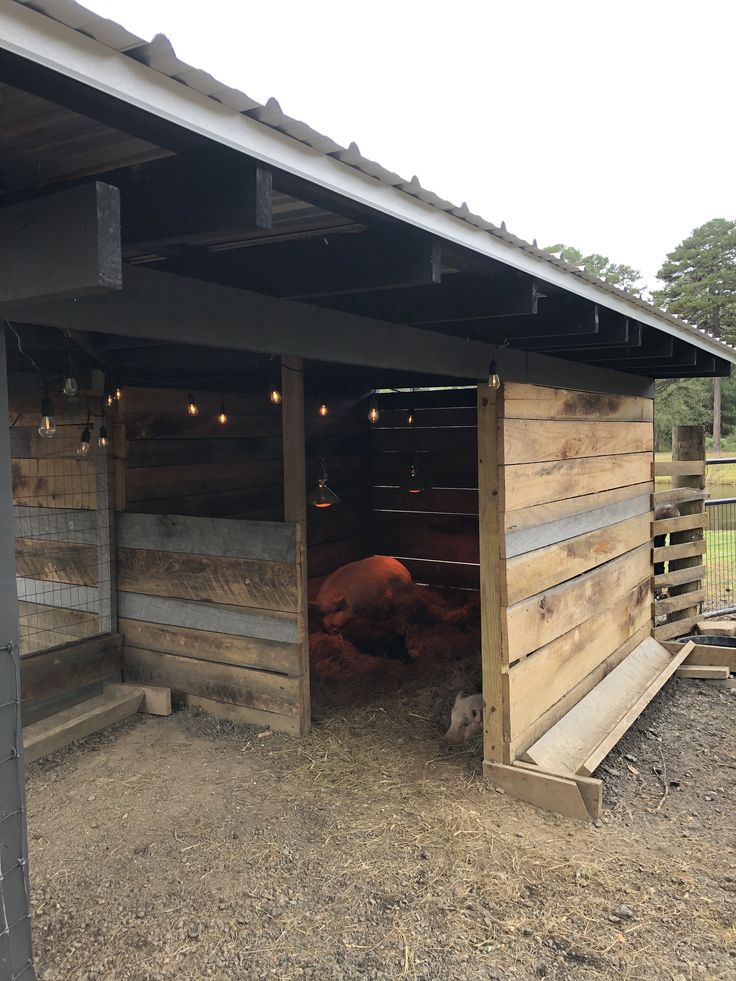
x=720 y=583
x=60 y=521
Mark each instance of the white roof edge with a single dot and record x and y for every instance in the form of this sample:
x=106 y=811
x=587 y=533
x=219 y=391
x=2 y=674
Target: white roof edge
x=48 y=42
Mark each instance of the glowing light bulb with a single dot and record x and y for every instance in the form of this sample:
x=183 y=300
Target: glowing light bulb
x=222 y=416
x=109 y=400
x=322 y=496
x=71 y=387
x=47 y=423
x=410 y=418
x=83 y=448
x=414 y=483
x=103 y=439
x=274 y=395
x=118 y=394
x=323 y=410
x=494 y=379
x=192 y=407
x=373 y=414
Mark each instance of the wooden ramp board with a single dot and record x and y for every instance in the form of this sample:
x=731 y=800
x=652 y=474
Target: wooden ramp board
x=567 y=794
x=582 y=738
x=708 y=655
x=79 y=721
x=703 y=672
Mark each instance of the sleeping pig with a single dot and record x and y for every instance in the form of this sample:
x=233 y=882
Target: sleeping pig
x=360 y=587
x=466 y=719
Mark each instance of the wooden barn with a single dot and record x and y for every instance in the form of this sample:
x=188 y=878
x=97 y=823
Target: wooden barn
x=216 y=319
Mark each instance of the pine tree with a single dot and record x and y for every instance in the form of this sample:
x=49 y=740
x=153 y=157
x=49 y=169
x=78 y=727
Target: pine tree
x=700 y=286
x=617 y=274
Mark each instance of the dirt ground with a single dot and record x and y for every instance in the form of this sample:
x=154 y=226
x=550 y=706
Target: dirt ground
x=184 y=847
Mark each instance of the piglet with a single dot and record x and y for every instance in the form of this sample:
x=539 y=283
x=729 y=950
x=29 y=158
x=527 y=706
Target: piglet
x=357 y=588
x=466 y=719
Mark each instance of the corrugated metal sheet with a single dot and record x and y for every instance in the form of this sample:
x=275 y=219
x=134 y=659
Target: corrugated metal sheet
x=159 y=55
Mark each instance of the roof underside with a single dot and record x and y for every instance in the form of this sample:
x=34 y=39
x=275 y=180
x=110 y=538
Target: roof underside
x=319 y=245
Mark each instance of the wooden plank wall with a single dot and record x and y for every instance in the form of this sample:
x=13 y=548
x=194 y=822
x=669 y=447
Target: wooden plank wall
x=55 y=501
x=342 y=533
x=211 y=608
x=434 y=533
x=575 y=484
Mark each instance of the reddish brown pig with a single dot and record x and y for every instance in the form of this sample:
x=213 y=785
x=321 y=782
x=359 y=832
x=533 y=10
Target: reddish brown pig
x=467 y=718
x=361 y=587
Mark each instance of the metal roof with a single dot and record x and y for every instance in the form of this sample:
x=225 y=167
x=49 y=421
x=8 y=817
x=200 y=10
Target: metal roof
x=416 y=204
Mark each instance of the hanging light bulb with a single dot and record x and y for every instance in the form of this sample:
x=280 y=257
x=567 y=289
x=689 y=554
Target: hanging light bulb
x=109 y=399
x=322 y=496
x=373 y=414
x=414 y=483
x=410 y=417
x=222 y=414
x=84 y=441
x=323 y=410
x=192 y=407
x=71 y=386
x=118 y=393
x=103 y=439
x=47 y=423
x=274 y=395
x=494 y=379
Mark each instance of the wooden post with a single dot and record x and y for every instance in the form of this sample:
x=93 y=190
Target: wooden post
x=496 y=738
x=107 y=587
x=688 y=443
x=15 y=926
x=295 y=506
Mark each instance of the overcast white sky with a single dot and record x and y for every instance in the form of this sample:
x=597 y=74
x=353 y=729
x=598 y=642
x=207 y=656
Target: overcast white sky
x=609 y=126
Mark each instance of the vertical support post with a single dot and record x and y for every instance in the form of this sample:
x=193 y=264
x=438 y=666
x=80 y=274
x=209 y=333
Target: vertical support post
x=496 y=731
x=295 y=506
x=16 y=955
x=688 y=443
x=107 y=586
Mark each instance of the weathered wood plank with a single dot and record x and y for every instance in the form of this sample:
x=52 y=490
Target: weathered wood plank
x=540 y=681
x=226 y=683
x=56 y=561
x=542 y=514
x=679 y=468
x=679 y=628
x=107 y=595
x=269 y=541
x=538 y=620
x=528 y=484
x=668 y=526
x=240 y=715
x=578 y=523
x=56 y=524
x=432 y=501
x=677 y=495
x=449 y=538
x=671 y=553
x=57 y=731
x=74 y=664
x=42 y=627
x=680 y=576
x=537 y=440
x=681 y=602
x=537 y=402
x=706 y=654
x=536 y=571
x=155 y=701
x=45 y=483
x=150 y=483
x=211 y=617
x=703 y=672
x=252 y=652
x=211 y=579
x=54 y=594
x=550 y=793
x=717 y=628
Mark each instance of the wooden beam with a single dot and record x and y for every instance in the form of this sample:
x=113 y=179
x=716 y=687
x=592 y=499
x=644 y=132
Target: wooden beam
x=62 y=245
x=555 y=318
x=322 y=266
x=612 y=333
x=183 y=311
x=703 y=672
x=196 y=194
x=547 y=791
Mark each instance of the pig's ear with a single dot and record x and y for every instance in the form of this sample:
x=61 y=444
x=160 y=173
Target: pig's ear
x=341 y=603
x=458 y=698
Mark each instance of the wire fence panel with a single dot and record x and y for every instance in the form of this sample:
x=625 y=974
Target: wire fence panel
x=720 y=582
x=59 y=526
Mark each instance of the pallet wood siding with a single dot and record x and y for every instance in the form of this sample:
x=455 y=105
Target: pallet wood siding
x=574 y=486
x=344 y=533
x=211 y=608
x=434 y=533
x=56 y=526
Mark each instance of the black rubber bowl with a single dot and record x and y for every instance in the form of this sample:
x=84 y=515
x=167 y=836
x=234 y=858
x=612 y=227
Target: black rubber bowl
x=708 y=640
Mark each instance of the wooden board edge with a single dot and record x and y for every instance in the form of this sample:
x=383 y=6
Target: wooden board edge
x=560 y=795
x=241 y=715
x=156 y=700
x=702 y=672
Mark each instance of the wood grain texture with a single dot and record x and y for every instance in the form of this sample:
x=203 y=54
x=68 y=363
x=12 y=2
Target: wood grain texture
x=529 y=484
x=537 y=402
x=677 y=495
x=529 y=574
x=679 y=468
x=56 y=524
x=678 y=628
x=269 y=541
x=707 y=654
x=687 y=522
x=56 y=561
x=70 y=666
x=210 y=579
x=546 y=791
x=538 y=682
x=571 y=507
x=44 y=483
x=687 y=550
x=240 y=715
x=207 y=645
x=533 y=441
x=538 y=620
x=680 y=576
x=220 y=682
x=53 y=594
x=674 y=604
x=703 y=672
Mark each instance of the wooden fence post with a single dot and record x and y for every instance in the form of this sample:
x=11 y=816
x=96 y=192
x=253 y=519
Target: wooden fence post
x=688 y=443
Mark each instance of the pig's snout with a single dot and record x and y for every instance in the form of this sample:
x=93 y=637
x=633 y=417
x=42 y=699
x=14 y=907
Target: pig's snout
x=334 y=622
x=466 y=719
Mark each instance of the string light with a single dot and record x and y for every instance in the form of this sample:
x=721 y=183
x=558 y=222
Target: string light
x=110 y=399
x=192 y=407
x=84 y=440
x=274 y=395
x=410 y=418
x=494 y=379
x=118 y=394
x=323 y=410
x=222 y=414
x=322 y=496
x=103 y=439
x=47 y=422
x=71 y=386
x=373 y=414
x=414 y=483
